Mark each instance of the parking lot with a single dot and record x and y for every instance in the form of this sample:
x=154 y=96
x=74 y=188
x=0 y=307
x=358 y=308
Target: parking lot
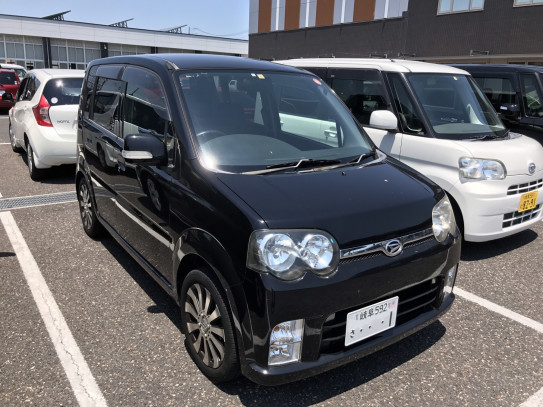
x=83 y=324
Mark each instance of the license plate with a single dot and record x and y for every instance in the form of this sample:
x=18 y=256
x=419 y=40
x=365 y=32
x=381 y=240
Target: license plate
x=528 y=201
x=371 y=320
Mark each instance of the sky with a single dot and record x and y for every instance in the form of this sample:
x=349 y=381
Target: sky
x=225 y=18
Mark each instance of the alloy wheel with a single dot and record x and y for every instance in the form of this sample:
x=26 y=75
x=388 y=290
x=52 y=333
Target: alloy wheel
x=204 y=326
x=85 y=206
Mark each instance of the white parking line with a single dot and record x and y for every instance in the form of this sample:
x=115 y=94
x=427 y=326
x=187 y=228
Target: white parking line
x=530 y=323
x=535 y=401
x=84 y=386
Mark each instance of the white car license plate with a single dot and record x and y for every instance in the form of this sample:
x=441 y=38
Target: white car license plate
x=371 y=320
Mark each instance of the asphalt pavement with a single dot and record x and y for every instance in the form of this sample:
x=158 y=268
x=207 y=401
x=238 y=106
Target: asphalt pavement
x=124 y=330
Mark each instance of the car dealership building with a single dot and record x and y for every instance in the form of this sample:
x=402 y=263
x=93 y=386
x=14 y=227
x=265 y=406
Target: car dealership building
x=444 y=31
x=52 y=42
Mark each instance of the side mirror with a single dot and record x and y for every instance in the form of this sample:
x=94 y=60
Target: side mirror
x=7 y=97
x=510 y=109
x=144 y=149
x=384 y=120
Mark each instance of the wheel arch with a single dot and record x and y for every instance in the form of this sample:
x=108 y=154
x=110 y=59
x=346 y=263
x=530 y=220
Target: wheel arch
x=199 y=249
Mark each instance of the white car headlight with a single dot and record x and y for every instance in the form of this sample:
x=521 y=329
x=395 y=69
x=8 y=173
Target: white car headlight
x=480 y=168
x=443 y=221
x=289 y=254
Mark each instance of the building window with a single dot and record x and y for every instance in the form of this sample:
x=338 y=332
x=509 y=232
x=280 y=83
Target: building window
x=528 y=2
x=458 y=6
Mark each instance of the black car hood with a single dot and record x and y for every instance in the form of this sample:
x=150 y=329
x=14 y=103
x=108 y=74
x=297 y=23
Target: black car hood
x=353 y=204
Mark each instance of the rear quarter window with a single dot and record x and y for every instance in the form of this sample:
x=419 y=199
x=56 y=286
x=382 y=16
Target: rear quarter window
x=63 y=91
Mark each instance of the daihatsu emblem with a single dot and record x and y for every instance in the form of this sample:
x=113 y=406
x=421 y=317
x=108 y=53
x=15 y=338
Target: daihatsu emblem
x=393 y=248
x=531 y=168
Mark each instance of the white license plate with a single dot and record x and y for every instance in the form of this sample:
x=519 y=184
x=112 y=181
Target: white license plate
x=371 y=320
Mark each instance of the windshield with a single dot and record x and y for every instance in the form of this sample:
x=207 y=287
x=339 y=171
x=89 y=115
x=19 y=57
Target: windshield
x=254 y=121
x=456 y=107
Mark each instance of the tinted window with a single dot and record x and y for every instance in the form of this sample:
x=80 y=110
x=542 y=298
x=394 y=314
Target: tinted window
x=107 y=102
x=531 y=95
x=63 y=91
x=88 y=91
x=362 y=96
x=8 y=78
x=499 y=91
x=145 y=108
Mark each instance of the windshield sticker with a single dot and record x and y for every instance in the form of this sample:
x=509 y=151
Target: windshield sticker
x=455 y=78
x=54 y=100
x=317 y=81
x=260 y=76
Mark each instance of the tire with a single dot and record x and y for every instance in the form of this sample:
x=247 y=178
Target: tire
x=14 y=147
x=87 y=210
x=208 y=328
x=35 y=173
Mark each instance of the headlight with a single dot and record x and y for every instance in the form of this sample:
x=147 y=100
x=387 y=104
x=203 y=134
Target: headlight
x=443 y=221
x=289 y=254
x=479 y=168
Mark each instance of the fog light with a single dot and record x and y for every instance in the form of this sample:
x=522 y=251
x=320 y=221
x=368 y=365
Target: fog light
x=449 y=281
x=286 y=342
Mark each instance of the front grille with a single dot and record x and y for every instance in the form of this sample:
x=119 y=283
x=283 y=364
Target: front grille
x=516 y=218
x=526 y=187
x=413 y=301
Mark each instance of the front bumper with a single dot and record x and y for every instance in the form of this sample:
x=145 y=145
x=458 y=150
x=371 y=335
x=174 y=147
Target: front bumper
x=416 y=276
x=490 y=208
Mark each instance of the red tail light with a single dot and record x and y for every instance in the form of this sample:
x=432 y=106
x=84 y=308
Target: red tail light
x=41 y=113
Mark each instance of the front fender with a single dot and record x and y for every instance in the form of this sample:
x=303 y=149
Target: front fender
x=196 y=247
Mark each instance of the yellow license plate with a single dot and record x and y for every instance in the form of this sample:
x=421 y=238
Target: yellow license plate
x=528 y=201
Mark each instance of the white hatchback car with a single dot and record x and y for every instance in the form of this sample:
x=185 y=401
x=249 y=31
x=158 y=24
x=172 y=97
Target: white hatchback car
x=436 y=119
x=43 y=118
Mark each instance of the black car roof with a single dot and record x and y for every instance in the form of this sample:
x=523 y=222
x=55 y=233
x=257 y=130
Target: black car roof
x=499 y=67
x=195 y=61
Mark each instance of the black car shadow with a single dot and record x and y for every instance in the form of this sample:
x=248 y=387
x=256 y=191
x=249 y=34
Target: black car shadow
x=481 y=251
x=163 y=302
x=318 y=389
x=304 y=392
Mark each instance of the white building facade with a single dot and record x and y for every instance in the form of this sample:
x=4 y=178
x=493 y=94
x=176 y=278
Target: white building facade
x=44 y=43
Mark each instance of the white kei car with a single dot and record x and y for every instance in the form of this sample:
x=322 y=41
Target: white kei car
x=436 y=119
x=43 y=119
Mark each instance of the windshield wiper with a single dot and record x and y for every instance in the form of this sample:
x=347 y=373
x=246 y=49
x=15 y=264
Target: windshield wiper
x=490 y=137
x=303 y=163
x=357 y=160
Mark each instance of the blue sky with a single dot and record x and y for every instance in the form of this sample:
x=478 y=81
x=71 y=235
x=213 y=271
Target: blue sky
x=206 y=17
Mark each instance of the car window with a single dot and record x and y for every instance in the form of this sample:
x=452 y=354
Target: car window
x=20 y=73
x=87 y=91
x=63 y=91
x=22 y=89
x=8 y=78
x=31 y=88
x=499 y=91
x=531 y=95
x=362 y=96
x=407 y=113
x=145 y=107
x=107 y=100
x=245 y=121
x=455 y=106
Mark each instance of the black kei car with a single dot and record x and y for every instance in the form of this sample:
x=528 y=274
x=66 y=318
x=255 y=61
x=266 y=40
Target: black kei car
x=248 y=191
x=515 y=91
